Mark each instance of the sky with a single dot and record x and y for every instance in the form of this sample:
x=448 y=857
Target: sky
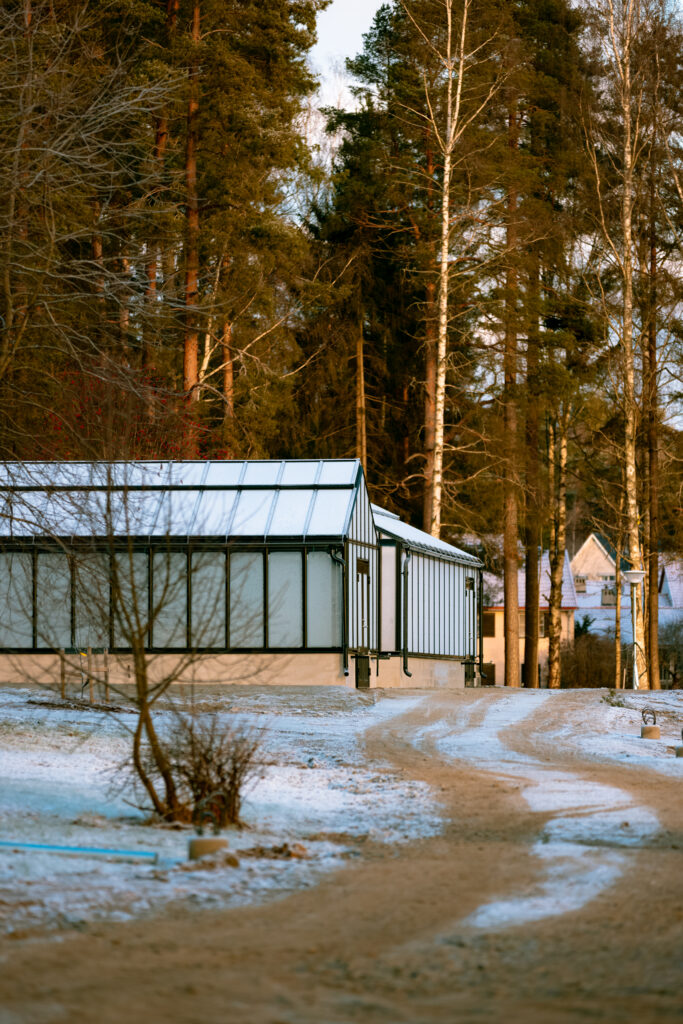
x=340 y=35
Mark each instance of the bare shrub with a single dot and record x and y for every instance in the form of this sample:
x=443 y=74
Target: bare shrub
x=213 y=763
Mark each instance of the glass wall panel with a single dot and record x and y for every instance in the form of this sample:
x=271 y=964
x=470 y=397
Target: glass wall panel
x=131 y=598
x=207 y=585
x=91 y=573
x=324 y=601
x=169 y=595
x=53 y=600
x=16 y=599
x=285 y=599
x=246 y=599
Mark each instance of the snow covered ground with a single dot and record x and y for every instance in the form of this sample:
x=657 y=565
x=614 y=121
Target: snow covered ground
x=316 y=795
x=588 y=827
x=319 y=797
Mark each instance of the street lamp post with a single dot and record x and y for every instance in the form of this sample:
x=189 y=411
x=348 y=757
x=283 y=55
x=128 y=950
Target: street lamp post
x=635 y=577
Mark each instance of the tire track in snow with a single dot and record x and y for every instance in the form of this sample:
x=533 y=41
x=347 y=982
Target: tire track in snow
x=583 y=846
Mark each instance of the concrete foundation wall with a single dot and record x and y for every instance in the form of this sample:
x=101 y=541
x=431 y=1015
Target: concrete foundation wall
x=259 y=669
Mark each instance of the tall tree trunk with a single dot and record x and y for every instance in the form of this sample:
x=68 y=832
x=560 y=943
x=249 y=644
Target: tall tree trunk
x=361 y=427
x=532 y=534
x=558 y=455
x=652 y=400
x=510 y=446
x=429 y=405
x=191 y=350
x=618 y=585
x=630 y=409
x=448 y=140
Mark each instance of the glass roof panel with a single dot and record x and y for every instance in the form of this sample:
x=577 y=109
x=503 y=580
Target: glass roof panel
x=300 y=473
x=251 y=517
x=137 y=512
x=329 y=512
x=176 y=514
x=291 y=512
x=224 y=474
x=343 y=472
x=187 y=474
x=261 y=473
x=214 y=512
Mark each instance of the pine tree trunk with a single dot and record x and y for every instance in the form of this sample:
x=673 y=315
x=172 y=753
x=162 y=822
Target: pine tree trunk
x=510 y=446
x=361 y=428
x=191 y=349
x=532 y=536
x=653 y=456
x=557 y=551
x=429 y=406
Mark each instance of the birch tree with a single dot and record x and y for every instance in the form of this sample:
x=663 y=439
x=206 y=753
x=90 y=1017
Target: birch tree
x=620 y=143
x=449 y=117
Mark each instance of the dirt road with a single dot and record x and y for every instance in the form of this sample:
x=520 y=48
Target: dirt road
x=394 y=937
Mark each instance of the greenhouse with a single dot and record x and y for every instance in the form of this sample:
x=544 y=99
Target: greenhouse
x=277 y=571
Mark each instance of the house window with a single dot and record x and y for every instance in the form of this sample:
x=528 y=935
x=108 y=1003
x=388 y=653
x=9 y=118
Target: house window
x=580 y=584
x=488 y=625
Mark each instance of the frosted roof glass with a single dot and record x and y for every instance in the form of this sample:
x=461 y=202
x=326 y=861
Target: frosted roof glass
x=214 y=512
x=176 y=514
x=339 y=472
x=329 y=512
x=251 y=517
x=187 y=474
x=291 y=512
x=261 y=473
x=299 y=473
x=224 y=474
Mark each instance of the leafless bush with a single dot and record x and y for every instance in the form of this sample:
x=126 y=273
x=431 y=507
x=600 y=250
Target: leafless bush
x=213 y=763
x=207 y=763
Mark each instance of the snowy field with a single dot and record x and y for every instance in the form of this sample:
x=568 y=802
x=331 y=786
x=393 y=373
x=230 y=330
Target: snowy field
x=313 y=807
x=320 y=800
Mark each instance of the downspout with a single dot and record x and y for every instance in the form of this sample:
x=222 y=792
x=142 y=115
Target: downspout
x=336 y=557
x=405 y=559
x=480 y=623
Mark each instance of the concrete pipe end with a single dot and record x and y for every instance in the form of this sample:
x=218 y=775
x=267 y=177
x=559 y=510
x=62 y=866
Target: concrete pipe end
x=204 y=846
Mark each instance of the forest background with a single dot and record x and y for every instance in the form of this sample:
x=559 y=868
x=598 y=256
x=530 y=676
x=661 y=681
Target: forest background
x=470 y=280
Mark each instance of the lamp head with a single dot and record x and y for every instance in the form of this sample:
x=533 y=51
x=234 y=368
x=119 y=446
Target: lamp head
x=634 y=576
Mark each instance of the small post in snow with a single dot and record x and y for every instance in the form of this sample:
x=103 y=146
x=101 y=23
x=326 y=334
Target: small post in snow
x=62 y=674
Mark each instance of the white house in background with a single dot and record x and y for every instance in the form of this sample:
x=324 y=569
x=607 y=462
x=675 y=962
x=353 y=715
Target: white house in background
x=594 y=568
x=492 y=620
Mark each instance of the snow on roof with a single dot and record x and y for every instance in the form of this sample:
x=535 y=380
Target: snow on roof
x=391 y=526
x=258 y=499
x=493 y=586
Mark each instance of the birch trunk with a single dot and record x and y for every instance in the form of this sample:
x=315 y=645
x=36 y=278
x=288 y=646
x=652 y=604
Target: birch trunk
x=448 y=139
x=630 y=409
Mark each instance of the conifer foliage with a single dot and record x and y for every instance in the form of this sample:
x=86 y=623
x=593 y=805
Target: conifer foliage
x=479 y=296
